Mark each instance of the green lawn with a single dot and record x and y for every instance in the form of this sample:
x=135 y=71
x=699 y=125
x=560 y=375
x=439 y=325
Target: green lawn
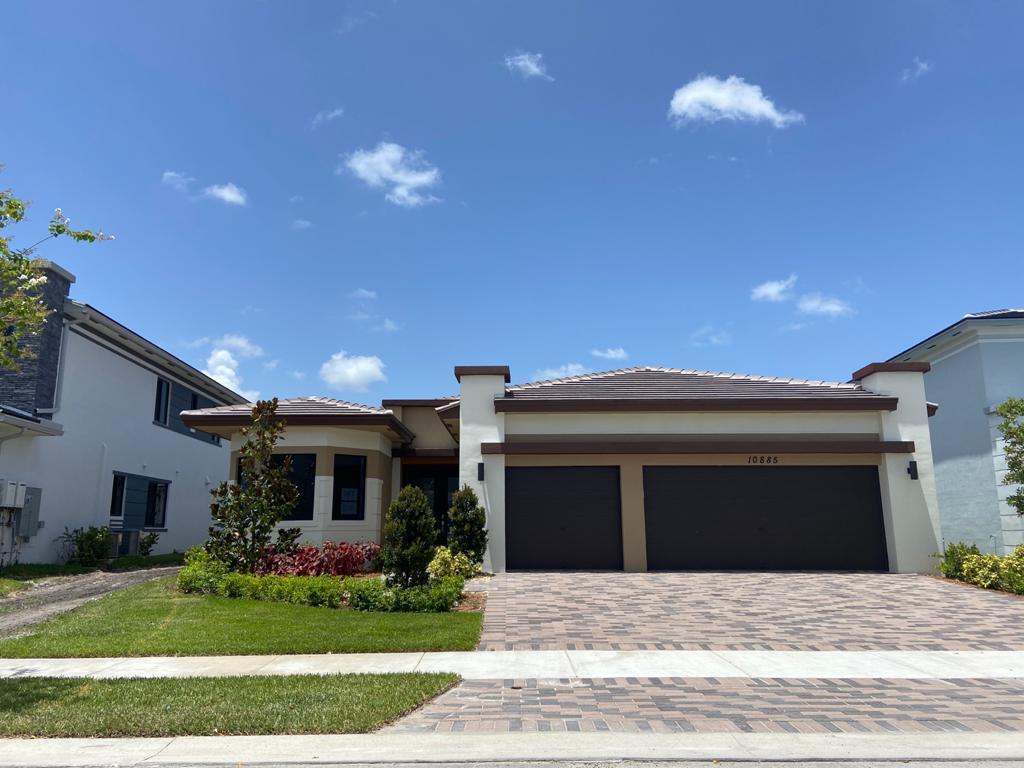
x=79 y=707
x=137 y=562
x=153 y=619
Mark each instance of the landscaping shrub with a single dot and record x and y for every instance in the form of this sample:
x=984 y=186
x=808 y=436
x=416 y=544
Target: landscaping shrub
x=374 y=595
x=326 y=591
x=147 y=542
x=467 y=533
x=445 y=563
x=982 y=570
x=332 y=559
x=202 y=572
x=85 y=546
x=409 y=537
x=1011 y=571
x=952 y=563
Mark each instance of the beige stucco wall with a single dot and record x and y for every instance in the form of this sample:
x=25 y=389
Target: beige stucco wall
x=816 y=424
x=325 y=442
x=425 y=424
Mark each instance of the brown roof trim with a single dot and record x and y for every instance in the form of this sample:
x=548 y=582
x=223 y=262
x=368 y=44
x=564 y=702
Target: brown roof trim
x=871 y=368
x=450 y=411
x=700 y=446
x=483 y=370
x=339 y=419
x=426 y=453
x=649 y=405
x=435 y=402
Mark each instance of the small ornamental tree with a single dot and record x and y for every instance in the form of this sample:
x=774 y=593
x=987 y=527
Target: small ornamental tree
x=409 y=536
x=22 y=309
x=466 y=525
x=245 y=513
x=1012 y=430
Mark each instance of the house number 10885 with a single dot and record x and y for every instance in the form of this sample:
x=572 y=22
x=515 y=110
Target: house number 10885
x=762 y=459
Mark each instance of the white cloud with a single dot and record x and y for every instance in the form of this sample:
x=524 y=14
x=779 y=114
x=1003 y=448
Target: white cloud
x=177 y=180
x=296 y=199
x=239 y=345
x=818 y=304
x=710 y=99
x=561 y=372
x=774 y=290
x=363 y=293
x=222 y=366
x=298 y=375
x=528 y=65
x=325 y=116
x=404 y=173
x=355 y=372
x=796 y=326
x=227 y=193
x=301 y=224
x=611 y=353
x=918 y=69
x=710 y=336
x=271 y=365
x=361 y=316
x=388 y=326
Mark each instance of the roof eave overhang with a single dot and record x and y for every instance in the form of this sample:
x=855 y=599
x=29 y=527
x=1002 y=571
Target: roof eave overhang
x=716 y=404
x=681 y=447
x=15 y=426
x=212 y=422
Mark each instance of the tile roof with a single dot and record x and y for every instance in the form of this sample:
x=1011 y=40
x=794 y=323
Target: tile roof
x=300 y=406
x=995 y=314
x=656 y=383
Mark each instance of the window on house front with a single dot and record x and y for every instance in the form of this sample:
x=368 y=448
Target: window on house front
x=117 y=497
x=303 y=475
x=349 y=484
x=156 y=504
x=161 y=409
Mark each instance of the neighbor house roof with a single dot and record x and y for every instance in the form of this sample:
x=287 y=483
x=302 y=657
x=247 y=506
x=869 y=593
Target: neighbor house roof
x=309 y=411
x=656 y=389
x=954 y=328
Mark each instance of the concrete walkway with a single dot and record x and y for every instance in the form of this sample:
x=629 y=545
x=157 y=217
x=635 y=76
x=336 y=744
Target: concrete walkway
x=503 y=665
x=468 y=748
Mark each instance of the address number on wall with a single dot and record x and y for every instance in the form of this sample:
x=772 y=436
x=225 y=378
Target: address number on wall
x=762 y=459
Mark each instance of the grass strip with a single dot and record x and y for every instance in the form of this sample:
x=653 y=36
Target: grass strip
x=81 y=708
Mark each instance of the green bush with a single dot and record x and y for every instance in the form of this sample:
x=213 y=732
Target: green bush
x=409 y=539
x=147 y=542
x=85 y=546
x=1011 y=571
x=202 y=572
x=445 y=563
x=467 y=520
x=325 y=591
x=374 y=595
x=952 y=562
x=982 y=570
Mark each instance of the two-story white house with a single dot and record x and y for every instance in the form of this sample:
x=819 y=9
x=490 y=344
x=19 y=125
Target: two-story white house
x=976 y=364
x=91 y=434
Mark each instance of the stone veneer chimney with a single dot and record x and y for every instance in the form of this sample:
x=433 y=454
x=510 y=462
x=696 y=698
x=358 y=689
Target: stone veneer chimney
x=35 y=385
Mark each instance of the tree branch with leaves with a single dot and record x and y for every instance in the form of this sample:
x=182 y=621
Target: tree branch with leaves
x=1012 y=429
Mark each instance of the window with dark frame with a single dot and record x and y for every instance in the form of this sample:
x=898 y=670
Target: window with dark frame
x=303 y=475
x=117 y=497
x=161 y=408
x=156 y=505
x=349 y=484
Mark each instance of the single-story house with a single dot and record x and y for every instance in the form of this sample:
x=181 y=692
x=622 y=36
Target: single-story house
x=977 y=363
x=638 y=469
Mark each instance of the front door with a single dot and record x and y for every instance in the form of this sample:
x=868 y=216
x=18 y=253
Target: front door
x=438 y=482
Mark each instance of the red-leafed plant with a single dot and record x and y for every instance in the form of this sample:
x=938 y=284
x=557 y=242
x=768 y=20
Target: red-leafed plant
x=332 y=559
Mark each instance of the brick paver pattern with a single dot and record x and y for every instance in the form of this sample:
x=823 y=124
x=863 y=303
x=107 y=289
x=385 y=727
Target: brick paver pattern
x=665 y=705
x=746 y=611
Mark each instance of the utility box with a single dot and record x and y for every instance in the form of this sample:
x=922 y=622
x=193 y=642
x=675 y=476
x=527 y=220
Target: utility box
x=12 y=494
x=28 y=515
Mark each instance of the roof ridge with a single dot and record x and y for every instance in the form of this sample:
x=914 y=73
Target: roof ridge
x=685 y=371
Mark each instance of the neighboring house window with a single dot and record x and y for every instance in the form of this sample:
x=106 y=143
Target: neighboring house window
x=349 y=482
x=303 y=475
x=140 y=502
x=161 y=411
x=117 y=497
x=156 y=505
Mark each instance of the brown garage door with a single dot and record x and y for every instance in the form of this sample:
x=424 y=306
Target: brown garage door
x=764 y=518
x=563 y=518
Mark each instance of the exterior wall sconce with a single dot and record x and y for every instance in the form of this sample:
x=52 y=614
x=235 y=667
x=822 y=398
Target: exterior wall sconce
x=912 y=470
x=480 y=471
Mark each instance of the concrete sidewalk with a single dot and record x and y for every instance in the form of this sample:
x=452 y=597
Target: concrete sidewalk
x=503 y=665
x=468 y=748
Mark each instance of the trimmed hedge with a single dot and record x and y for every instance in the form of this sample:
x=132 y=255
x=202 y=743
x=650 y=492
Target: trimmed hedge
x=375 y=595
x=965 y=562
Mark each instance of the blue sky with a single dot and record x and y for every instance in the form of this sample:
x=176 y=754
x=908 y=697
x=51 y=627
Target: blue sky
x=349 y=199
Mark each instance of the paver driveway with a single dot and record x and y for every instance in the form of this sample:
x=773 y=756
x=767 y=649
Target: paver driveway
x=746 y=611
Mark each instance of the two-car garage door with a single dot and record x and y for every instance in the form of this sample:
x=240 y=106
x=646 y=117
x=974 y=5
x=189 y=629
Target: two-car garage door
x=698 y=517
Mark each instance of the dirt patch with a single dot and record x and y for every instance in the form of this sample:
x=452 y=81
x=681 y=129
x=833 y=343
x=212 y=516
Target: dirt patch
x=472 y=602
x=46 y=599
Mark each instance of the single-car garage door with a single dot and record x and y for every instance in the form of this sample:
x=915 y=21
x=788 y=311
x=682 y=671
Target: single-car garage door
x=563 y=518
x=764 y=518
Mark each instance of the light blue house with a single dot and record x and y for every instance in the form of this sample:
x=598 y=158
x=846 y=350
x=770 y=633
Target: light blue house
x=976 y=364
